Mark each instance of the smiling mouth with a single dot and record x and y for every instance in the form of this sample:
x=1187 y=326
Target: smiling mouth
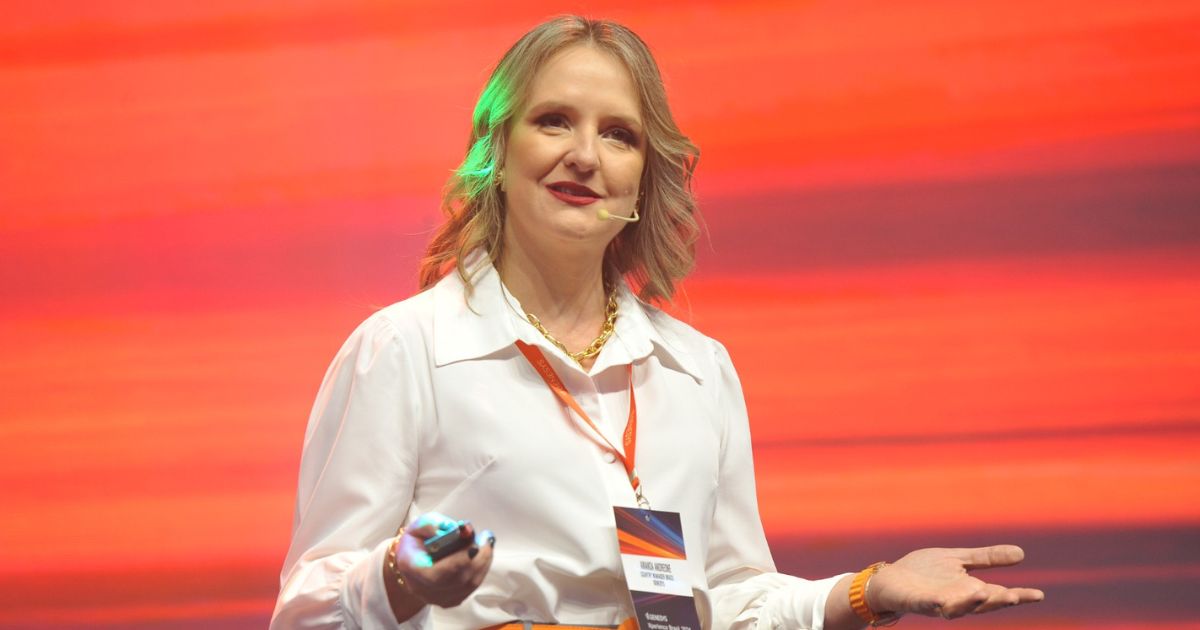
x=572 y=193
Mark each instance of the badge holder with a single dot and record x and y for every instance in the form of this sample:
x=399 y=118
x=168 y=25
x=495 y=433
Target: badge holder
x=656 y=569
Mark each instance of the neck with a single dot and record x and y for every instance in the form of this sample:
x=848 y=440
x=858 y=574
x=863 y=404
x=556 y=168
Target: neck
x=566 y=294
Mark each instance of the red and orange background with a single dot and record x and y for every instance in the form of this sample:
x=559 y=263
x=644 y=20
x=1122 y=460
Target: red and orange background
x=953 y=248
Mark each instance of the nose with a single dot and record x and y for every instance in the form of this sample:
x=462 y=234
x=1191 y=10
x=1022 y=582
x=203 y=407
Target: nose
x=582 y=154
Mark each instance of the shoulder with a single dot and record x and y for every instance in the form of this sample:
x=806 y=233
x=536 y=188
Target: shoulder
x=406 y=317
x=404 y=325
x=710 y=356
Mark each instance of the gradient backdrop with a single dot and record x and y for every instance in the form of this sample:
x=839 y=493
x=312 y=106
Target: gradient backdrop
x=954 y=249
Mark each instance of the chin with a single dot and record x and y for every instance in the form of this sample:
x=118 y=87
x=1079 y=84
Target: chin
x=576 y=231
x=581 y=227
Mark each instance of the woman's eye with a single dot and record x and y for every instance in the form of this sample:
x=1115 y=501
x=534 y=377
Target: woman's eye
x=622 y=135
x=551 y=120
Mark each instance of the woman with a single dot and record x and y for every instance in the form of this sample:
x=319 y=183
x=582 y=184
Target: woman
x=575 y=182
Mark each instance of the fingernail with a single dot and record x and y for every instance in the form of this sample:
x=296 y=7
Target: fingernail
x=472 y=552
x=489 y=537
x=423 y=560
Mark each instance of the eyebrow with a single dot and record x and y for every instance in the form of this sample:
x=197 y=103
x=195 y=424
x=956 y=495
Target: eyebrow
x=631 y=122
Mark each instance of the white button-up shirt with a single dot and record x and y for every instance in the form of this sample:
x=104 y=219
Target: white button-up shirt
x=429 y=406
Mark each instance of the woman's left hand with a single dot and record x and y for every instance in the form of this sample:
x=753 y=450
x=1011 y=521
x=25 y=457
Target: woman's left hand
x=936 y=582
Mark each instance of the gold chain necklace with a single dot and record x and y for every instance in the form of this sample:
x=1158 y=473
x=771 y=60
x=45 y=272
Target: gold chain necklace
x=606 y=331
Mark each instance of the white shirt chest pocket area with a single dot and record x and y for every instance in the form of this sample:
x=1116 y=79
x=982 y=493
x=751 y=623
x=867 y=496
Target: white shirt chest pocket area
x=501 y=440
x=679 y=449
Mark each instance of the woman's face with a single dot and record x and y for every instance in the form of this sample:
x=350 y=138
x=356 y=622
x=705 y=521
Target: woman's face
x=577 y=146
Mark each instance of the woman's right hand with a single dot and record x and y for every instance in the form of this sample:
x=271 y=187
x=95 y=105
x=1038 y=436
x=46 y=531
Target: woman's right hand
x=447 y=582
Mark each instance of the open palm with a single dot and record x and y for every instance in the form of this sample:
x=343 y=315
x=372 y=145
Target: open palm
x=936 y=582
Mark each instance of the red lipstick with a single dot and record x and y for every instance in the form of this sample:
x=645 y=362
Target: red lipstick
x=572 y=193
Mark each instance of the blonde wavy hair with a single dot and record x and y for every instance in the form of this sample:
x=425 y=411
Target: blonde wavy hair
x=652 y=254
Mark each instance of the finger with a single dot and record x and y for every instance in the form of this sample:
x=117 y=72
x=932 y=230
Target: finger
x=470 y=572
x=481 y=550
x=426 y=525
x=411 y=554
x=423 y=530
x=453 y=587
x=997 y=597
x=432 y=523
x=480 y=566
x=457 y=569
x=483 y=539
x=984 y=557
x=1028 y=595
x=479 y=540
x=1006 y=597
x=450 y=579
x=958 y=606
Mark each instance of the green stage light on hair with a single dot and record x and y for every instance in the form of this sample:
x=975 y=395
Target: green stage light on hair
x=494 y=106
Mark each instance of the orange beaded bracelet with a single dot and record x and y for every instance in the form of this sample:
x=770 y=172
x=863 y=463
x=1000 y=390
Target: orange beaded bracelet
x=858 y=598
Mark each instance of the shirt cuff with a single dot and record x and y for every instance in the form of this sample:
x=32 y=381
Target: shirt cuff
x=800 y=604
x=822 y=590
x=364 y=595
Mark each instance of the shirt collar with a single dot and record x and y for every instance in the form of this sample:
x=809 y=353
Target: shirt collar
x=463 y=330
x=493 y=321
x=643 y=330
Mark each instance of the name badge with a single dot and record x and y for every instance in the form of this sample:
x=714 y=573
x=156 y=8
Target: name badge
x=656 y=569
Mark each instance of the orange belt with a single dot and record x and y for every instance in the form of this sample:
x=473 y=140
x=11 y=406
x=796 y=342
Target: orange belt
x=628 y=624
x=542 y=626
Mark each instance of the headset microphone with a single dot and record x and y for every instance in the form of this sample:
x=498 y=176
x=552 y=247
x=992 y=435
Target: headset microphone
x=604 y=215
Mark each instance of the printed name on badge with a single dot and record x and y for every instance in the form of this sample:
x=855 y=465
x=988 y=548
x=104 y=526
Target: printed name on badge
x=656 y=569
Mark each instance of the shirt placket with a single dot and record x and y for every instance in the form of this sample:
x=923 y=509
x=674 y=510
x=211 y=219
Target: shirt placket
x=589 y=398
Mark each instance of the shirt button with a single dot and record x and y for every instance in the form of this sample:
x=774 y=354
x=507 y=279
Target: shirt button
x=609 y=457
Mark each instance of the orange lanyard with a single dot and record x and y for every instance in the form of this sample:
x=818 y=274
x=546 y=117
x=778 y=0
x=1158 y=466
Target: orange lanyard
x=629 y=439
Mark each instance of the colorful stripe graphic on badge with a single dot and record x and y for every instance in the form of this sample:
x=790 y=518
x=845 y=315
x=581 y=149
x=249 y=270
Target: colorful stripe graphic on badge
x=650 y=533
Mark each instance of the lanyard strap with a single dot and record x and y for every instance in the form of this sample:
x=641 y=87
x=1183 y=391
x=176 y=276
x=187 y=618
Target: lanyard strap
x=629 y=439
